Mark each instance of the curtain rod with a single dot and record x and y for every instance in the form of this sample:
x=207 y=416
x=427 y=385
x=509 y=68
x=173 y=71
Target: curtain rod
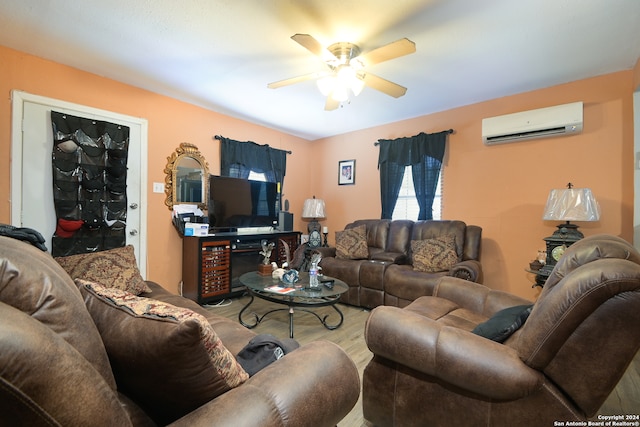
x=450 y=131
x=219 y=138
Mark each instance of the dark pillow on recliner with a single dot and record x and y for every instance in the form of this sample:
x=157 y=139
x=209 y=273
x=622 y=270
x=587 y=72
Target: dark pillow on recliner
x=504 y=323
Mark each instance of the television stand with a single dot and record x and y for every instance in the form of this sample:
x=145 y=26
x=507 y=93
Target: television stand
x=212 y=265
x=216 y=230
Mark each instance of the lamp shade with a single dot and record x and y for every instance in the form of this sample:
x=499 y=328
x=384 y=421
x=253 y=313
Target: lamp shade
x=571 y=204
x=313 y=209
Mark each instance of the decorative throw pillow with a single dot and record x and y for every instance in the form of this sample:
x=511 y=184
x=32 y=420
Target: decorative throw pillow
x=434 y=255
x=352 y=243
x=168 y=358
x=504 y=323
x=114 y=268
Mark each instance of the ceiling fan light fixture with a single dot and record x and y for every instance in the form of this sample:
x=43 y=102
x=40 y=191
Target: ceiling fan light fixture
x=344 y=80
x=339 y=84
x=357 y=84
x=340 y=93
x=347 y=77
x=326 y=84
x=347 y=73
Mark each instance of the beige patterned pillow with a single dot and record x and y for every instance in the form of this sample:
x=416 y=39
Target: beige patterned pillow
x=352 y=243
x=434 y=255
x=166 y=357
x=114 y=268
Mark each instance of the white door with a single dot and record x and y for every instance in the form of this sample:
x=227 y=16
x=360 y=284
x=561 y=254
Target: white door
x=31 y=171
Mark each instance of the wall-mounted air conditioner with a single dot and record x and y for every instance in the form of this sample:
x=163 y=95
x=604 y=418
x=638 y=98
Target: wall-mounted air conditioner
x=563 y=119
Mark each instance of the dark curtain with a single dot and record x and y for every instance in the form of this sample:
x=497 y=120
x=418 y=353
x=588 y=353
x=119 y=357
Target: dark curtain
x=425 y=183
x=89 y=184
x=424 y=153
x=391 y=175
x=238 y=158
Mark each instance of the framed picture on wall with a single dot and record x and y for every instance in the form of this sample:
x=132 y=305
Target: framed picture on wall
x=346 y=172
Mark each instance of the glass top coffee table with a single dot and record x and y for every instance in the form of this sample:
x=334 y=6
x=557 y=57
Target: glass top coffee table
x=301 y=297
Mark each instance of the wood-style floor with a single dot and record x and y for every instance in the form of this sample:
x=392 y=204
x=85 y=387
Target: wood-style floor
x=307 y=328
x=625 y=399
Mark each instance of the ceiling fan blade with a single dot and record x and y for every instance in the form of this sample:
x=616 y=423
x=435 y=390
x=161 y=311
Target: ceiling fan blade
x=392 y=50
x=331 y=104
x=384 y=86
x=313 y=46
x=294 y=80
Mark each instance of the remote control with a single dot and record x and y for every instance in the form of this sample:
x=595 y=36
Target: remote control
x=328 y=283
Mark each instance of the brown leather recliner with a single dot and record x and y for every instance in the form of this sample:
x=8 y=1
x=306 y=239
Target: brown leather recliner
x=429 y=369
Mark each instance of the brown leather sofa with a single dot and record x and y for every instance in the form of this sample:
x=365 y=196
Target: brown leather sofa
x=387 y=277
x=54 y=369
x=582 y=333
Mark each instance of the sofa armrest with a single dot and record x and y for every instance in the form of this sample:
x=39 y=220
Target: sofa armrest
x=474 y=296
x=470 y=270
x=458 y=357
x=326 y=251
x=315 y=385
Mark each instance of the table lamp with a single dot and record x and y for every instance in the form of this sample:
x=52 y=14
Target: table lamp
x=567 y=204
x=313 y=209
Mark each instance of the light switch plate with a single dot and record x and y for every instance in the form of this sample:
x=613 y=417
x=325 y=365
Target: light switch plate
x=158 y=187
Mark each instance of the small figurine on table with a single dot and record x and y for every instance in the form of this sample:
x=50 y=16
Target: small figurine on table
x=265 y=268
x=266 y=252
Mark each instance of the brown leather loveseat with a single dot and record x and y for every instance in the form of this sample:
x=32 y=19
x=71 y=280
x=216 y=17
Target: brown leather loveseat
x=386 y=275
x=430 y=369
x=69 y=358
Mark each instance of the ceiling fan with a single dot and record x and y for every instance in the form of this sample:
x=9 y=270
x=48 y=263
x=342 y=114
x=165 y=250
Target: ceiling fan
x=347 y=69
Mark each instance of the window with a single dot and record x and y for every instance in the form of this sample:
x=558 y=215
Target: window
x=407 y=205
x=262 y=208
x=257 y=176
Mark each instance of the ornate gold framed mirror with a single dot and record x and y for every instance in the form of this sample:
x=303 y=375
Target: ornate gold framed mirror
x=187 y=177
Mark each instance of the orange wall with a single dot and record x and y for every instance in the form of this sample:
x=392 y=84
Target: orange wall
x=501 y=188
x=504 y=188
x=170 y=123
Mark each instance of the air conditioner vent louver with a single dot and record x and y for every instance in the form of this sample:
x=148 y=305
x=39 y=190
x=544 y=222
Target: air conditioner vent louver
x=563 y=119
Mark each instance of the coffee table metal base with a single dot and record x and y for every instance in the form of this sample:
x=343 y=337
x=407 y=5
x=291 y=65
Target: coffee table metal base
x=292 y=304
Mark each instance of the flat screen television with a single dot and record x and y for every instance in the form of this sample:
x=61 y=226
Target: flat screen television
x=236 y=203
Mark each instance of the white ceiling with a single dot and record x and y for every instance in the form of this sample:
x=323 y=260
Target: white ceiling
x=220 y=54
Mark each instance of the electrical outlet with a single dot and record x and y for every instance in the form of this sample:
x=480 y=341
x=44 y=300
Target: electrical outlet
x=158 y=187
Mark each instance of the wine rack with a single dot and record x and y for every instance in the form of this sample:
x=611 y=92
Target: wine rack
x=215 y=275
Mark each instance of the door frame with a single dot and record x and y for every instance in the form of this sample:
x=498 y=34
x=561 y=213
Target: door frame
x=18 y=98
x=636 y=168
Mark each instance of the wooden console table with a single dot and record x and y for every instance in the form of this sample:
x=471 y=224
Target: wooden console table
x=213 y=264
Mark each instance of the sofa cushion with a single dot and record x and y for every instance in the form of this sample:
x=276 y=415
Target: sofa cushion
x=352 y=243
x=433 y=255
x=504 y=323
x=113 y=268
x=167 y=358
x=32 y=282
